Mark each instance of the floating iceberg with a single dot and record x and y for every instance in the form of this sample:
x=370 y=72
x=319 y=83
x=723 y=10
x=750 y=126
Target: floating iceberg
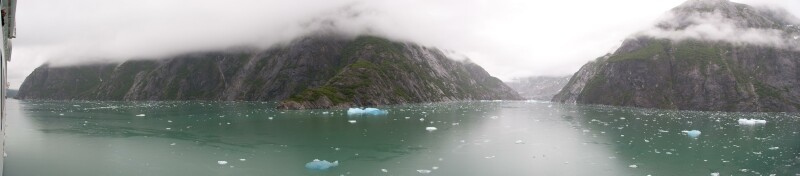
x=751 y=121
x=430 y=128
x=140 y=115
x=366 y=111
x=321 y=165
x=692 y=133
x=774 y=148
x=222 y=162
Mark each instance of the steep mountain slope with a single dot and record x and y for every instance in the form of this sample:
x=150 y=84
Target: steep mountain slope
x=711 y=55
x=386 y=72
x=539 y=87
x=350 y=72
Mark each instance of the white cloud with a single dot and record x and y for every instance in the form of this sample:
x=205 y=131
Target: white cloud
x=510 y=38
x=714 y=26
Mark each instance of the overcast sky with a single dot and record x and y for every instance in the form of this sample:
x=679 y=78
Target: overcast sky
x=509 y=38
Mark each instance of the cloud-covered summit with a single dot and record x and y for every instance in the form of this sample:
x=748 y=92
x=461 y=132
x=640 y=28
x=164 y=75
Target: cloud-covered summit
x=510 y=38
x=722 y=20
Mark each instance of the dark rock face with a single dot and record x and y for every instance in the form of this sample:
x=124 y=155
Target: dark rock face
x=320 y=71
x=695 y=74
x=385 y=72
x=539 y=87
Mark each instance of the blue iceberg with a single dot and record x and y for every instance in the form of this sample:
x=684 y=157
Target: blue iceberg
x=692 y=133
x=321 y=165
x=366 y=111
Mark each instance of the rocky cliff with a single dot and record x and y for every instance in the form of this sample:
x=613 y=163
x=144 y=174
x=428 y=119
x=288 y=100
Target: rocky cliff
x=319 y=71
x=711 y=55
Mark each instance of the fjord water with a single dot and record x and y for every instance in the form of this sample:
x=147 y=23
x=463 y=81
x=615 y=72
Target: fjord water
x=472 y=138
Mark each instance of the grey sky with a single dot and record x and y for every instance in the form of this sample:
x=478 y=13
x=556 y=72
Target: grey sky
x=510 y=38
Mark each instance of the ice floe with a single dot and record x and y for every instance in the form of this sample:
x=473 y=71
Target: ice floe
x=774 y=148
x=751 y=121
x=692 y=133
x=316 y=164
x=366 y=111
x=430 y=128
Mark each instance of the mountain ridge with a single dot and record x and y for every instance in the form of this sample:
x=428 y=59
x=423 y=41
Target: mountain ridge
x=708 y=71
x=276 y=74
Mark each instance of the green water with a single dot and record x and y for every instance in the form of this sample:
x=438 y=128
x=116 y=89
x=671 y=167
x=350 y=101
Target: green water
x=473 y=138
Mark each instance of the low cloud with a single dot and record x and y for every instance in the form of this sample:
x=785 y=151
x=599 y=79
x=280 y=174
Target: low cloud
x=717 y=26
x=509 y=38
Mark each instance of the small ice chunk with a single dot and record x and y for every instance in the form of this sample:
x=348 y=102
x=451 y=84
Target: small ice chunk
x=222 y=162
x=435 y=167
x=366 y=111
x=352 y=121
x=140 y=115
x=424 y=171
x=774 y=148
x=270 y=118
x=633 y=166
x=692 y=133
x=519 y=142
x=61 y=114
x=663 y=131
x=408 y=117
x=421 y=119
x=430 y=128
x=169 y=128
x=384 y=170
x=172 y=143
x=796 y=37
x=316 y=164
x=751 y=121
x=242 y=159
x=715 y=174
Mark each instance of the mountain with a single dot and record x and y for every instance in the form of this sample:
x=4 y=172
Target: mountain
x=709 y=55
x=11 y=93
x=539 y=87
x=317 y=71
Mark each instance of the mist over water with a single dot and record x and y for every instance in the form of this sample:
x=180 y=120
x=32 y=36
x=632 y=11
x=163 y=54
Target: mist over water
x=471 y=138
